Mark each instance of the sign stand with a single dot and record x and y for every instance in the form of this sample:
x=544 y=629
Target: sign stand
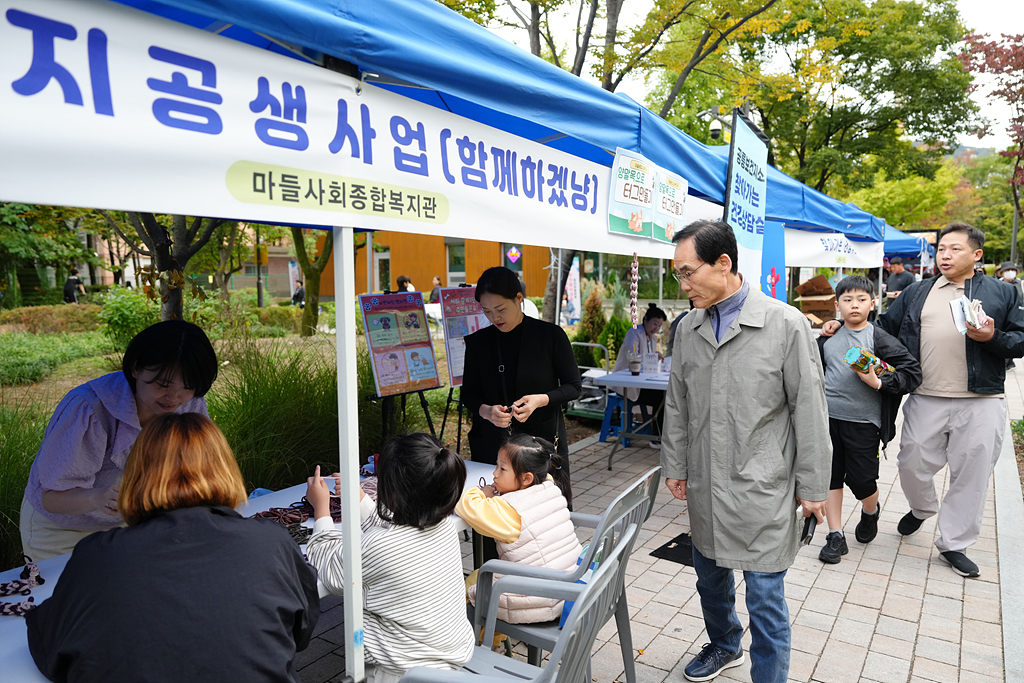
x=458 y=424
x=388 y=411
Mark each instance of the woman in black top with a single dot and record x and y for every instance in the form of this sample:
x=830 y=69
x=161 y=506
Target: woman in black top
x=518 y=372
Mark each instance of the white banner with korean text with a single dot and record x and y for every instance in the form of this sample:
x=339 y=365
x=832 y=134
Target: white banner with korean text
x=831 y=250
x=109 y=107
x=745 y=194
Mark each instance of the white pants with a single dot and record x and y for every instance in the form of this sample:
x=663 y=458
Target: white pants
x=376 y=675
x=42 y=539
x=964 y=433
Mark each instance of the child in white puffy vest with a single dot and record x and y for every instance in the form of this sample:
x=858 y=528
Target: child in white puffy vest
x=526 y=511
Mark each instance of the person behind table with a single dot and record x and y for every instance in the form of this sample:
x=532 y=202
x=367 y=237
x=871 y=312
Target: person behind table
x=526 y=510
x=72 y=286
x=435 y=292
x=641 y=341
x=862 y=410
x=72 y=487
x=189 y=590
x=414 y=600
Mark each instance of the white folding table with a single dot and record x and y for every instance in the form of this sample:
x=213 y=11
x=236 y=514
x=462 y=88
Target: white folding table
x=625 y=379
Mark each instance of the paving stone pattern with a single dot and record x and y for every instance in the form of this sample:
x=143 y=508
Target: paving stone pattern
x=891 y=612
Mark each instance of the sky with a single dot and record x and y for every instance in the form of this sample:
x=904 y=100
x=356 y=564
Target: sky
x=983 y=16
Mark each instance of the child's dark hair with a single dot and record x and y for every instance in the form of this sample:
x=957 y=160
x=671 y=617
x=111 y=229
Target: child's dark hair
x=532 y=454
x=654 y=312
x=419 y=481
x=172 y=346
x=854 y=283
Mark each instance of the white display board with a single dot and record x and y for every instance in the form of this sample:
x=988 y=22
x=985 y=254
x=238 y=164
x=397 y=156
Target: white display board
x=831 y=250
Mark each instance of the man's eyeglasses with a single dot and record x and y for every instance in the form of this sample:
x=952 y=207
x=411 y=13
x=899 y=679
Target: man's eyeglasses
x=686 y=275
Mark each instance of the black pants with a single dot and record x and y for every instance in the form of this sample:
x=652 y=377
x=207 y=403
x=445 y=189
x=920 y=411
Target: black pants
x=854 y=456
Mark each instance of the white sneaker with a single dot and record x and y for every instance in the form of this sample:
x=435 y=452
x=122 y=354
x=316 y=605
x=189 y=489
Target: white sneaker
x=656 y=445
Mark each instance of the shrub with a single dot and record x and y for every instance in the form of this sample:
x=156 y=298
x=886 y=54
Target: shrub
x=21 y=432
x=27 y=358
x=286 y=318
x=613 y=335
x=126 y=312
x=592 y=322
x=538 y=301
x=277 y=405
x=54 y=319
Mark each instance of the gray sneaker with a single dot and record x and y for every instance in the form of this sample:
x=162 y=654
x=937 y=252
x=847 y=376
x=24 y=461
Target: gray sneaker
x=835 y=548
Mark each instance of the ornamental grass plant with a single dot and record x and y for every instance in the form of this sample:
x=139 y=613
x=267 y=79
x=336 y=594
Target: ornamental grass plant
x=26 y=358
x=21 y=431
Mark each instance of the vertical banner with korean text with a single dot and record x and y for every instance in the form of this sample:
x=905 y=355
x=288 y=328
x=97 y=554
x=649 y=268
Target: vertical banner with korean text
x=571 y=308
x=745 y=194
x=462 y=316
x=631 y=195
x=401 y=350
x=669 y=205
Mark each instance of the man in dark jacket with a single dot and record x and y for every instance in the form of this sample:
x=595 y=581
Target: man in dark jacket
x=957 y=417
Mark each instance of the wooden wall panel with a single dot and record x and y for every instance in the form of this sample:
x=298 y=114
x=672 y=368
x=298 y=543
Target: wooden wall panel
x=535 y=275
x=481 y=255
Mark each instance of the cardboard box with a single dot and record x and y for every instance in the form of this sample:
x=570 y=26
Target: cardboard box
x=816 y=286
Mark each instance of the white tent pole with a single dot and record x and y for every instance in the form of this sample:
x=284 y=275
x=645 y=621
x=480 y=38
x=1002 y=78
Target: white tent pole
x=661 y=283
x=558 y=290
x=369 y=262
x=348 y=444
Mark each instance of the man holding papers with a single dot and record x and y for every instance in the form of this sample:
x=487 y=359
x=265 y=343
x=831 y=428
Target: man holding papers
x=961 y=327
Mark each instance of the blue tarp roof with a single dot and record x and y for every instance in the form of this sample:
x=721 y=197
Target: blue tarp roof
x=465 y=68
x=898 y=243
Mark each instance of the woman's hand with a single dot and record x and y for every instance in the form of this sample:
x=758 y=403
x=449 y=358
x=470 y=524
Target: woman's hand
x=496 y=415
x=318 y=495
x=80 y=501
x=524 y=407
x=108 y=499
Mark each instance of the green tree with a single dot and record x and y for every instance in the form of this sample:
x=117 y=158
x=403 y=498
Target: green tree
x=312 y=265
x=860 y=79
x=913 y=202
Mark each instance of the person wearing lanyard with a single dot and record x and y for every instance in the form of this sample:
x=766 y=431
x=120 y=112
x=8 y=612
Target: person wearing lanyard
x=640 y=341
x=518 y=371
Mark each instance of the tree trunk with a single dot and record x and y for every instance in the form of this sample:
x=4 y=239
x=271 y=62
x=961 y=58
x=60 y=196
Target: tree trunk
x=535 y=29
x=550 y=295
x=610 y=35
x=171 y=304
x=312 y=270
x=311 y=313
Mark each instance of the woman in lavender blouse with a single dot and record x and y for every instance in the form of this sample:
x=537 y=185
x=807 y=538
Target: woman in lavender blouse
x=72 y=489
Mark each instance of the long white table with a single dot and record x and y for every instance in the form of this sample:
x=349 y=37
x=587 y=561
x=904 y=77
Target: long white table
x=16 y=665
x=625 y=379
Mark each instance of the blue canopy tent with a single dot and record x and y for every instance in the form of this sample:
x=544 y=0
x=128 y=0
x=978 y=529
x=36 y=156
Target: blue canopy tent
x=898 y=243
x=423 y=50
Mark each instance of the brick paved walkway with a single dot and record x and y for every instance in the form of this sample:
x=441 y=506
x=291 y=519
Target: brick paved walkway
x=890 y=612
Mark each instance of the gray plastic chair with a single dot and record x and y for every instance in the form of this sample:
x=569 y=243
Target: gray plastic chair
x=632 y=506
x=570 y=658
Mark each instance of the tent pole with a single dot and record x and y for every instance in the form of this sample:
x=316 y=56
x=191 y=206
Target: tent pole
x=878 y=306
x=661 y=283
x=369 y=262
x=348 y=444
x=558 y=290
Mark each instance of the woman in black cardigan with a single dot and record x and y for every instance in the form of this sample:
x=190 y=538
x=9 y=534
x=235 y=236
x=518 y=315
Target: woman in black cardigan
x=518 y=372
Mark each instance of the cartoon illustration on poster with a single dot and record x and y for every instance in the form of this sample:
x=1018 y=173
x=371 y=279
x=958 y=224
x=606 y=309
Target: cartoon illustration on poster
x=383 y=330
x=401 y=351
x=419 y=364
x=462 y=316
x=413 y=327
x=669 y=205
x=391 y=369
x=631 y=199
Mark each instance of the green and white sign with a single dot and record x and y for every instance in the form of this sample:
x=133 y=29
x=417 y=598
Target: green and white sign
x=670 y=201
x=631 y=204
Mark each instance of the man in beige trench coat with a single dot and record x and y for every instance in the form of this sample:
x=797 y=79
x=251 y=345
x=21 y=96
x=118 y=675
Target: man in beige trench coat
x=746 y=441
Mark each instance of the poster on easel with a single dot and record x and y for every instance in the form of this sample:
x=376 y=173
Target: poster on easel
x=401 y=351
x=462 y=316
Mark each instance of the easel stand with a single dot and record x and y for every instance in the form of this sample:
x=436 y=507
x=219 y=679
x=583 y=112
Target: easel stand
x=458 y=424
x=388 y=410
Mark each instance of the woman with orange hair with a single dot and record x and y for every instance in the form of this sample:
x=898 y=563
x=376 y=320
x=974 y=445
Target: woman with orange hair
x=189 y=590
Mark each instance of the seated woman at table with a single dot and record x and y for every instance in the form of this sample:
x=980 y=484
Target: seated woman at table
x=72 y=488
x=414 y=604
x=190 y=590
x=640 y=341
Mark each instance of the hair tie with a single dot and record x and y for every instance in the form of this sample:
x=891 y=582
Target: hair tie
x=440 y=451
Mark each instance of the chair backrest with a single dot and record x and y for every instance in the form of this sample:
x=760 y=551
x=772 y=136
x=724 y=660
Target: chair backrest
x=568 y=662
x=632 y=506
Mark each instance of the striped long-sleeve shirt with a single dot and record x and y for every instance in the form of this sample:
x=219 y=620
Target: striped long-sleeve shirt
x=414 y=596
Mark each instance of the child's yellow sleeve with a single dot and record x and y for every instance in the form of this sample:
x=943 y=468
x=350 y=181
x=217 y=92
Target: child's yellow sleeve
x=489 y=516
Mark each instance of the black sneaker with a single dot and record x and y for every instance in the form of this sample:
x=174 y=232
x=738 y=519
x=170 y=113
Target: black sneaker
x=909 y=525
x=867 y=529
x=960 y=564
x=711 y=661
x=834 y=549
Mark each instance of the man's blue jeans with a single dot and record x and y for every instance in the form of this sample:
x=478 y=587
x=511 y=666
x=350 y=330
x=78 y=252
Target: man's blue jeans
x=769 y=616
